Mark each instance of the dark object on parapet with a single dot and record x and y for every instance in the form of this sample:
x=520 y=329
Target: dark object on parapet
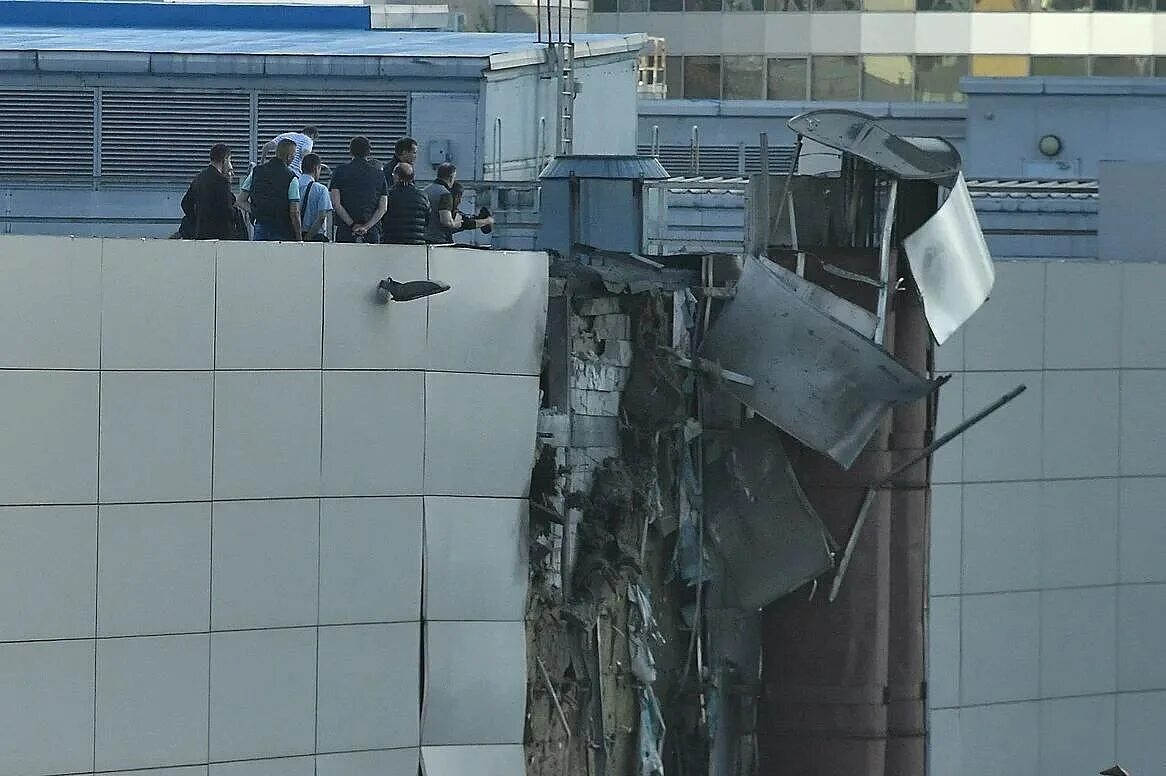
x=390 y=290
x=1116 y=770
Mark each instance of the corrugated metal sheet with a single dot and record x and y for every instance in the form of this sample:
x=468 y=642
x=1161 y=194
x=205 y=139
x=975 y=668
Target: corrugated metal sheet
x=382 y=118
x=166 y=135
x=49 y=132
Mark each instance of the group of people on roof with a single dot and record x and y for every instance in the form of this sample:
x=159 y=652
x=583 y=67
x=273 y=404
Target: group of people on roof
x=282 y=198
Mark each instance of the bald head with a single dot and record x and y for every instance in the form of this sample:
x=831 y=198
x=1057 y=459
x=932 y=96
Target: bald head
x=403 y=172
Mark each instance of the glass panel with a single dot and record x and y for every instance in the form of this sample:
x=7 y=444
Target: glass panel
x=787 y=79
x=937 y=79
x=795 y=5
x=1000 y=65
x=702 y=5
x=636 y=6
x=1160 y=67
x=1126 y=67
x=662 y=5
x=834 y=78
x=837 y=5
x=1060 y=5
x=674 y=77
x=1000 y=5
x=1060 y=65
x=888 y=5
x=744 y=5
x=702 y=78
x=1127 y=5
x=945 y=5
x=603 y=6
x=744 y=79
x=887 y=78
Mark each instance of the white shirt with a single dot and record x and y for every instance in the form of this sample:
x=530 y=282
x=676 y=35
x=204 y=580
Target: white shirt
x=303 y=146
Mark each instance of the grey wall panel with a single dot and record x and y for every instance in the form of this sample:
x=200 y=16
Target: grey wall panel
x=475 y=558
x=264 y=557
x=479 y=434
x=157 y=314
x=162 y=525
x=152 y=701
x=474 y=693
x=507 y=321
x=481 y=760
x=267 y=434
x=370 y=560
x=269 y=306
x=360 y=333
x=153 y=569
x=369 y=685
x=36 y=268
x=372 y=446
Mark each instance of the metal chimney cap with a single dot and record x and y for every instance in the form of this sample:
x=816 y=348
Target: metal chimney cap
x=615 y=168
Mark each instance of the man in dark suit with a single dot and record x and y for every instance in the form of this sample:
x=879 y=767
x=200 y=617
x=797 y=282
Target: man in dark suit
x=208 y=206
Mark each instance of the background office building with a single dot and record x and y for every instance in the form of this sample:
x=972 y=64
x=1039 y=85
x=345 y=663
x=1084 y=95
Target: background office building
x=886 y=50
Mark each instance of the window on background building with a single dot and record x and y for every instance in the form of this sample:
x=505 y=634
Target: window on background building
x=1123 y=67
x=603 y=6
x=1160 y=67
x=702 y=5
x=835 y=78
x=662 y=5
x=887 y=78
x=792 y=5
x=1127 y=5
x=943 y=5
x=937 y=79
x=1060 y=5
x=999 y=65
x=1060 y=65
x=636 y=6
x=837 y=5
x=888 y=5
x=744 y=5
x=674 y=77
x=702 y=78
x=787 y=79
x=1000 y=5
x=744 y=78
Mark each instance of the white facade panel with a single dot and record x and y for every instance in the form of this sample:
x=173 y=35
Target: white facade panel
x=206 y=610
x=1121 y=33
x=1058 y=541
x=1001 y=33
x=1061 y=34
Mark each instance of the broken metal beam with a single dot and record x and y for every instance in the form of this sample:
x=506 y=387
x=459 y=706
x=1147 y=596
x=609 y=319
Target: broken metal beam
x=710 y=368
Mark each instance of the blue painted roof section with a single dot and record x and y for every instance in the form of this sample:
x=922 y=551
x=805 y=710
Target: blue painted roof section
x=205 y=16
x=369 y=43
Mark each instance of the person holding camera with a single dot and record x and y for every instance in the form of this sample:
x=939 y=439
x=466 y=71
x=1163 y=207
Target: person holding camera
x=359 y=196
x=444 y=217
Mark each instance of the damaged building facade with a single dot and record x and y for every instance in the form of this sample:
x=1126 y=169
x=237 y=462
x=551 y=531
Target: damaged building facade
x=723 y=496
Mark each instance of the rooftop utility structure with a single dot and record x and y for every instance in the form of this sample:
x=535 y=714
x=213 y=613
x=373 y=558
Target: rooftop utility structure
x=113 y=121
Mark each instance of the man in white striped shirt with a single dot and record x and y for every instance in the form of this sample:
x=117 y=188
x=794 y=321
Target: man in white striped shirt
x=305 y=140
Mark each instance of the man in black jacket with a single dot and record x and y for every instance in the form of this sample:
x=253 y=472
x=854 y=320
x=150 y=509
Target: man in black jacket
x=272 y=191
x=208 y=207
x=408 y=214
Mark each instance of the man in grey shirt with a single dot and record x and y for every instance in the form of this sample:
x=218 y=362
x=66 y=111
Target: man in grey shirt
x=444 y=218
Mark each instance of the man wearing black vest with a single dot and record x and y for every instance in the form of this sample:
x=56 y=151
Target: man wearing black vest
x=408 y=214
x=272 y=192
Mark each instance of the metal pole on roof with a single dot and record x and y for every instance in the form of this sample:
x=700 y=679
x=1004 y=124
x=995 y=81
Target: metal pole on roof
x=538 y=18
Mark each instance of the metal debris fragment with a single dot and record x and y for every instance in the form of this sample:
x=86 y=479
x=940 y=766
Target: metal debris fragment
x=766 y=537
x=818 y=379
x=859 y=134
x=951 y=263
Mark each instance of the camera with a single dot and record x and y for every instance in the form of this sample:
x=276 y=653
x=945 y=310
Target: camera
x=484 y=212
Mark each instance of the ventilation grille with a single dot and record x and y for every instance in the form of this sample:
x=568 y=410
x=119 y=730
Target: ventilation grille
x=721 y=160
x=49 y=133
x=167 y=135
x=382 y=118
